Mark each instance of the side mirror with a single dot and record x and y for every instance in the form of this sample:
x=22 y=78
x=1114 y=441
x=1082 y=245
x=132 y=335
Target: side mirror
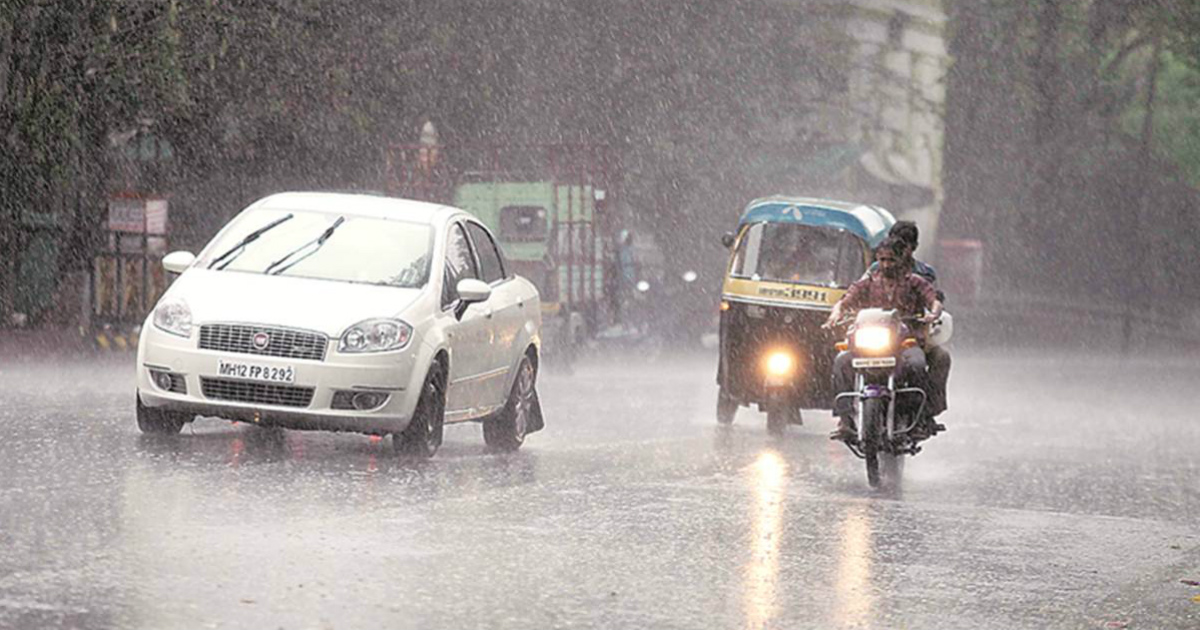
x=178 y=262
x=727 y=239
x=470 y=291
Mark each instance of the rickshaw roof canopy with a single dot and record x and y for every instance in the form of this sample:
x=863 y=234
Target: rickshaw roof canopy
x=870 y=223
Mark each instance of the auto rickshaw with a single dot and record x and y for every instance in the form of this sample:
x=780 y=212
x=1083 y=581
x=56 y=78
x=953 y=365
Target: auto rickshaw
x=791 y=259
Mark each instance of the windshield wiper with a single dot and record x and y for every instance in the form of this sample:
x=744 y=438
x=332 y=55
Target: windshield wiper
x=250 y=238
x=318 y=242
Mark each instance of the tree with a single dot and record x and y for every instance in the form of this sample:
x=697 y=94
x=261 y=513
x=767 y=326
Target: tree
x=66 y=70
x=251 y=97
x=1040 y=164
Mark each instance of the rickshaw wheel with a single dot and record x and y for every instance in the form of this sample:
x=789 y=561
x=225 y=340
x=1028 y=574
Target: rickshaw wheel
x=777 y=420
x=726 y=409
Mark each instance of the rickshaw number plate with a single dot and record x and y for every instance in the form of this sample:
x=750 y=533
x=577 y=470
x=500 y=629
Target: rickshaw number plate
x=874 y=362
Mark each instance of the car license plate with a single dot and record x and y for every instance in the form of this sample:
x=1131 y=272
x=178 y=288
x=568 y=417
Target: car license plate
x=256 y=372
x=874 y=362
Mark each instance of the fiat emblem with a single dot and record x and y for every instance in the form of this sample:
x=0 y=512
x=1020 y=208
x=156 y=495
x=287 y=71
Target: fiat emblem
x=261 y=340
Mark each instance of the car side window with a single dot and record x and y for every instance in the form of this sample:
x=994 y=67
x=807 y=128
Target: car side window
x=491 y=265
x=459 y=263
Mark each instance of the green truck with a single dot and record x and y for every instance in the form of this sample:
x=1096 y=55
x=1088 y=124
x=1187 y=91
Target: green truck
x=549 y=234
x=546 y=204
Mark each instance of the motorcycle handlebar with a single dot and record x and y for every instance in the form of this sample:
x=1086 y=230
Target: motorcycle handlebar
x=846 y=320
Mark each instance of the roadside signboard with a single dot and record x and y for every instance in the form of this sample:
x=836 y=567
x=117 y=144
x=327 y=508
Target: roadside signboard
x=137 y=215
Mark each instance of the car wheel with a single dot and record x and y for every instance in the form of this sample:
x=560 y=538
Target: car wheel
x=423 y=435
x=506 y=432
x=158 y=421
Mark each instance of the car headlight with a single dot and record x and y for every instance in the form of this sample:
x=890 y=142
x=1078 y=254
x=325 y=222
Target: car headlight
x=873 y=338
x=174 y=316
x=376 y=335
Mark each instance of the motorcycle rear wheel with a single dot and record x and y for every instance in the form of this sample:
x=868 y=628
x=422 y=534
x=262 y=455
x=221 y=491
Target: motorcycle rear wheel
x=891 y=468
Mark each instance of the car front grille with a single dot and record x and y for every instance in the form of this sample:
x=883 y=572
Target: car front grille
x=258 y=393
x=280 y=342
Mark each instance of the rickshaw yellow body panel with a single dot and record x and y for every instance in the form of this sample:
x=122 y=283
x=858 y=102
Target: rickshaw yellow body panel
x=781 y=293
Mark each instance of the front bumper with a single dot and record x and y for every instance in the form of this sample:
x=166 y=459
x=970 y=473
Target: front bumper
x=209 y=393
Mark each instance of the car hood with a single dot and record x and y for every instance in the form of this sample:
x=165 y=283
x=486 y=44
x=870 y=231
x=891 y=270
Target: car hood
x=318 y=305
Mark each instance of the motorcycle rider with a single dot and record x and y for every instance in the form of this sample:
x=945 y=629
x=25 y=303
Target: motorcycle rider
x=890 y=285
x=937 y=358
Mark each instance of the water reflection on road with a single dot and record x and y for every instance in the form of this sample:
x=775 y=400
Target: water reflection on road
x=768 y=476
x=853 y=586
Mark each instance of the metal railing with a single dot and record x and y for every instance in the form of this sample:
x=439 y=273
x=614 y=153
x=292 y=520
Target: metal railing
x=1031 y=319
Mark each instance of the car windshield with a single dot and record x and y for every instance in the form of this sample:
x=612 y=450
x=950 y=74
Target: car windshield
x=805 y=254
x=363 y=249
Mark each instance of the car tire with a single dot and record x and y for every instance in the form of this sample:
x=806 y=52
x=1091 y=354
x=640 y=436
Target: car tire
x=158 y=421
x=423 y=435
x=506 y=431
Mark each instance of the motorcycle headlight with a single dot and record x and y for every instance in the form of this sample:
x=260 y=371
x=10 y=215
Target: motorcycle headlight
x=873 y=338
x=376 y=335
x=174 y=316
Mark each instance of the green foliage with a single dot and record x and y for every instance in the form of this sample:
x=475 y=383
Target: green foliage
x=71 y=72
x=1046 y=159
x=1176 y=117
x=252 y=96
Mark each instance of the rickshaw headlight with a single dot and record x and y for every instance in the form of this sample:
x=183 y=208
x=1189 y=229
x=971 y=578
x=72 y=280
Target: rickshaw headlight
x=780 y=364
x=873 y=339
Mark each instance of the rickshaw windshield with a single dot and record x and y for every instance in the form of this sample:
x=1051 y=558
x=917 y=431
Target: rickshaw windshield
x=804 y=254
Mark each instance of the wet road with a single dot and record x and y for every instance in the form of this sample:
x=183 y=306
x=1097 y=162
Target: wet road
x=1063 y=496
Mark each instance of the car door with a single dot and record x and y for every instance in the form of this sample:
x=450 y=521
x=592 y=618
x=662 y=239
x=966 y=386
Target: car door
x=507 y=307
x=469 y=338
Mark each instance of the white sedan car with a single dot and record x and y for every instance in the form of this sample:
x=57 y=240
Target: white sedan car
x=345 y=312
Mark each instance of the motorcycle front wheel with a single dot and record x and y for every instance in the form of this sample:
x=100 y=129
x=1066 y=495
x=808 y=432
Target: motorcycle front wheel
x=874 y=419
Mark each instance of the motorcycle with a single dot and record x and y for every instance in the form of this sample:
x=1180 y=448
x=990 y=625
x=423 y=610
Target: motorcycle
x=887 y=412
